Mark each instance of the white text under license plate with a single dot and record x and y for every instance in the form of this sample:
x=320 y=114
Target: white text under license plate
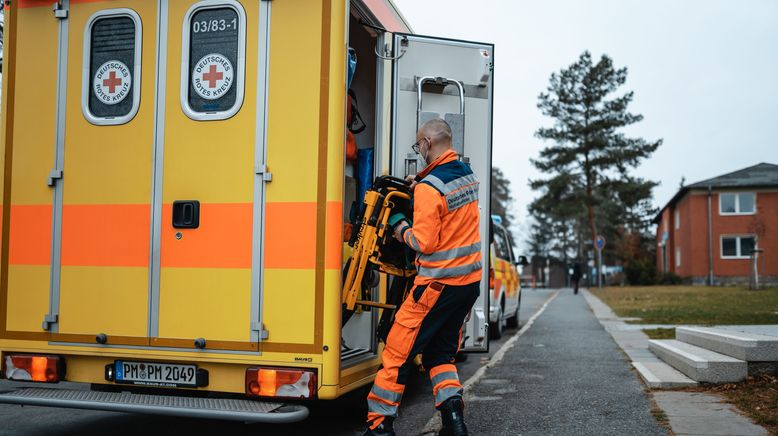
x=155 y=374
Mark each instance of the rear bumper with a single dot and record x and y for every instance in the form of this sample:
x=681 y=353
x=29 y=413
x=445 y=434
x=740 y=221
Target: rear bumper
x=212 y=408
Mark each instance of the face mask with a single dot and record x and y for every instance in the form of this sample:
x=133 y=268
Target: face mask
x=423 y=155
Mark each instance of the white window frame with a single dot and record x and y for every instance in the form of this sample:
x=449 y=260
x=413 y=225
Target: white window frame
x=737 y=203
x=240 y=68
x=737 y=238
x=677 y=219
x=86 y=76
x=677 y=256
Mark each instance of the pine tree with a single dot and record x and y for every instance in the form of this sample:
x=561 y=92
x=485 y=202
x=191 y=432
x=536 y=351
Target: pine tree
x=590 y=157
x=502 y=200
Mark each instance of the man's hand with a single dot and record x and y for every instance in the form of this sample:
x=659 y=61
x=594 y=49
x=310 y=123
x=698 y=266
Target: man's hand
x=398 y=230
x=411 y=179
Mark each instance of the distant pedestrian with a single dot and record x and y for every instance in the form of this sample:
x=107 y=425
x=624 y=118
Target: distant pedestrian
x=575 y=277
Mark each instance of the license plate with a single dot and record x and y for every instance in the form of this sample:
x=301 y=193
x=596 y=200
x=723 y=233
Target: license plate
x=155 y=374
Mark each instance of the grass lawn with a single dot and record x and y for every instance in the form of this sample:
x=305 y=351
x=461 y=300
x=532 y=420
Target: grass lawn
x=703 y=305
x=660 y=333
x=758 y=396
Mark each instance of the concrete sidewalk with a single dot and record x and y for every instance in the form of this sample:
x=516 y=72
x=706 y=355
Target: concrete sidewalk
x=634 y=343
x=565 y=375
x=689 y=413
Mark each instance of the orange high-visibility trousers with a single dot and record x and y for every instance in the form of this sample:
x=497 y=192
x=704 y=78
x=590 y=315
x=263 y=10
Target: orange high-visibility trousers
x=428 y=322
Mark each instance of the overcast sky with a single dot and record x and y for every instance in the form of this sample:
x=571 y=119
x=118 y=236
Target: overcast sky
x=704 y=72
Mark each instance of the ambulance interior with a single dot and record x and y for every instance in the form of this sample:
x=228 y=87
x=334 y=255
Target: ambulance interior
x=358 y=335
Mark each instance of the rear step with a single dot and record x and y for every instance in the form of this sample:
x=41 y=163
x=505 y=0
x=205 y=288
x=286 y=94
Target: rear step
x=213 y=408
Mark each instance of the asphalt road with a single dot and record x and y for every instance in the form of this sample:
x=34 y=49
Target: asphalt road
x=564 y=376
x=344 y=416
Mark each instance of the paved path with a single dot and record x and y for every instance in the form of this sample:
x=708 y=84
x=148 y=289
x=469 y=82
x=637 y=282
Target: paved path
x=689 y=413
x=564 y=376
x=701 y=414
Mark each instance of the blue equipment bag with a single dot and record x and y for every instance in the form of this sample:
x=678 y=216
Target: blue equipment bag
x=351 y=65
x=364 y=172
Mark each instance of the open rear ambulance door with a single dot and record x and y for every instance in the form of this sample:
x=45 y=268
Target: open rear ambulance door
x=449 y=79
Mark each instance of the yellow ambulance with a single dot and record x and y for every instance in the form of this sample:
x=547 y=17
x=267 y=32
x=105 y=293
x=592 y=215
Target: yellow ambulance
x=177 y=187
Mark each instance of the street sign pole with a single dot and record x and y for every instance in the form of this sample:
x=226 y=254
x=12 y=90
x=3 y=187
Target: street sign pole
x=599 y=271
x=599 y=244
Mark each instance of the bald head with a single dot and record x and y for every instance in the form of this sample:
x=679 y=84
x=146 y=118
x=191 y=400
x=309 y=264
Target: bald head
x=437 y=130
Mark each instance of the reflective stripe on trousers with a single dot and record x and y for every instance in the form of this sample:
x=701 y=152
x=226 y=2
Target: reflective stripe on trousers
x=445 y=383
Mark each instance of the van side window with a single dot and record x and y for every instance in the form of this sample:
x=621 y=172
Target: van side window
x=111 y=81
x=510 y=246
x=501 y=244
x=214 y=54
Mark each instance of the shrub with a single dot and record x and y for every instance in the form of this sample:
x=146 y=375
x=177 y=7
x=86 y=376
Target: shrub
x=640 y=272
x=670 y=278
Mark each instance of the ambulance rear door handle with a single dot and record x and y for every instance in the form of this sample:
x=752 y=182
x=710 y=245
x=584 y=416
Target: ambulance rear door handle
x=54 y=175
x=186 y=214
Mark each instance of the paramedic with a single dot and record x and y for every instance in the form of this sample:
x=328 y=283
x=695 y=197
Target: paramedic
x=445 y=236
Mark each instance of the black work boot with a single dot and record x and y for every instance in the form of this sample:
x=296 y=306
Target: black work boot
x=453 y=417
x=385 y=428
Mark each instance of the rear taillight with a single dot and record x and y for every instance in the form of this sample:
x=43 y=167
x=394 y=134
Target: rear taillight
x=491 y=278
x=30 y=367
x=281 y=382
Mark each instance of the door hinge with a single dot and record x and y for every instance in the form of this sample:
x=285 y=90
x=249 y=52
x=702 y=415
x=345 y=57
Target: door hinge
x=54 y=175
x=259 y=327
x=60 y=11
x=48 y=320
x=262 y=170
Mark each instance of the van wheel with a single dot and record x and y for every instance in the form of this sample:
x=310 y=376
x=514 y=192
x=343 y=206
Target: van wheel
x=495 y=328
x=513 y=320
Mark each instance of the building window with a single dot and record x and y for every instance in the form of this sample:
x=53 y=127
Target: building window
x=677 y=219
x=740 y=203
x=214 y=58
x=112 y=67
x=737 y=247
x=677 y=257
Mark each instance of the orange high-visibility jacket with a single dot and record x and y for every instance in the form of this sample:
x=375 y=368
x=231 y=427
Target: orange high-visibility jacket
x=445 y=223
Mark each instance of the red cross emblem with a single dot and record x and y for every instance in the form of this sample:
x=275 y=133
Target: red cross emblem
x=112 y=82
x=212 y=76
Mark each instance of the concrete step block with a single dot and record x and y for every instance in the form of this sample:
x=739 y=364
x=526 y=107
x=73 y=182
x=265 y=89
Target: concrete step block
x=699 y=364
x=659 y=375
x=750 y=347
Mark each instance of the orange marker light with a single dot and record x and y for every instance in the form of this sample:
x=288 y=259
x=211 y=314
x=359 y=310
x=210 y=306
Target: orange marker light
x=281 y=382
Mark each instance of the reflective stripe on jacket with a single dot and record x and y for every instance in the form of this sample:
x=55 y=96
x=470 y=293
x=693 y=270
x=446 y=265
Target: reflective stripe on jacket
x=445 y=231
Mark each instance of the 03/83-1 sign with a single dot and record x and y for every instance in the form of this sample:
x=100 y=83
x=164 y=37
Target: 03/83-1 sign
x=218 y=25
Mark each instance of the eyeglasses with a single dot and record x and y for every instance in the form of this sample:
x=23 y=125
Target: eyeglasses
x=417 y=145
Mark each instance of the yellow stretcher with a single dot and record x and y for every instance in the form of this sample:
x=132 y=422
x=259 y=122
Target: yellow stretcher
x=376 y=251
